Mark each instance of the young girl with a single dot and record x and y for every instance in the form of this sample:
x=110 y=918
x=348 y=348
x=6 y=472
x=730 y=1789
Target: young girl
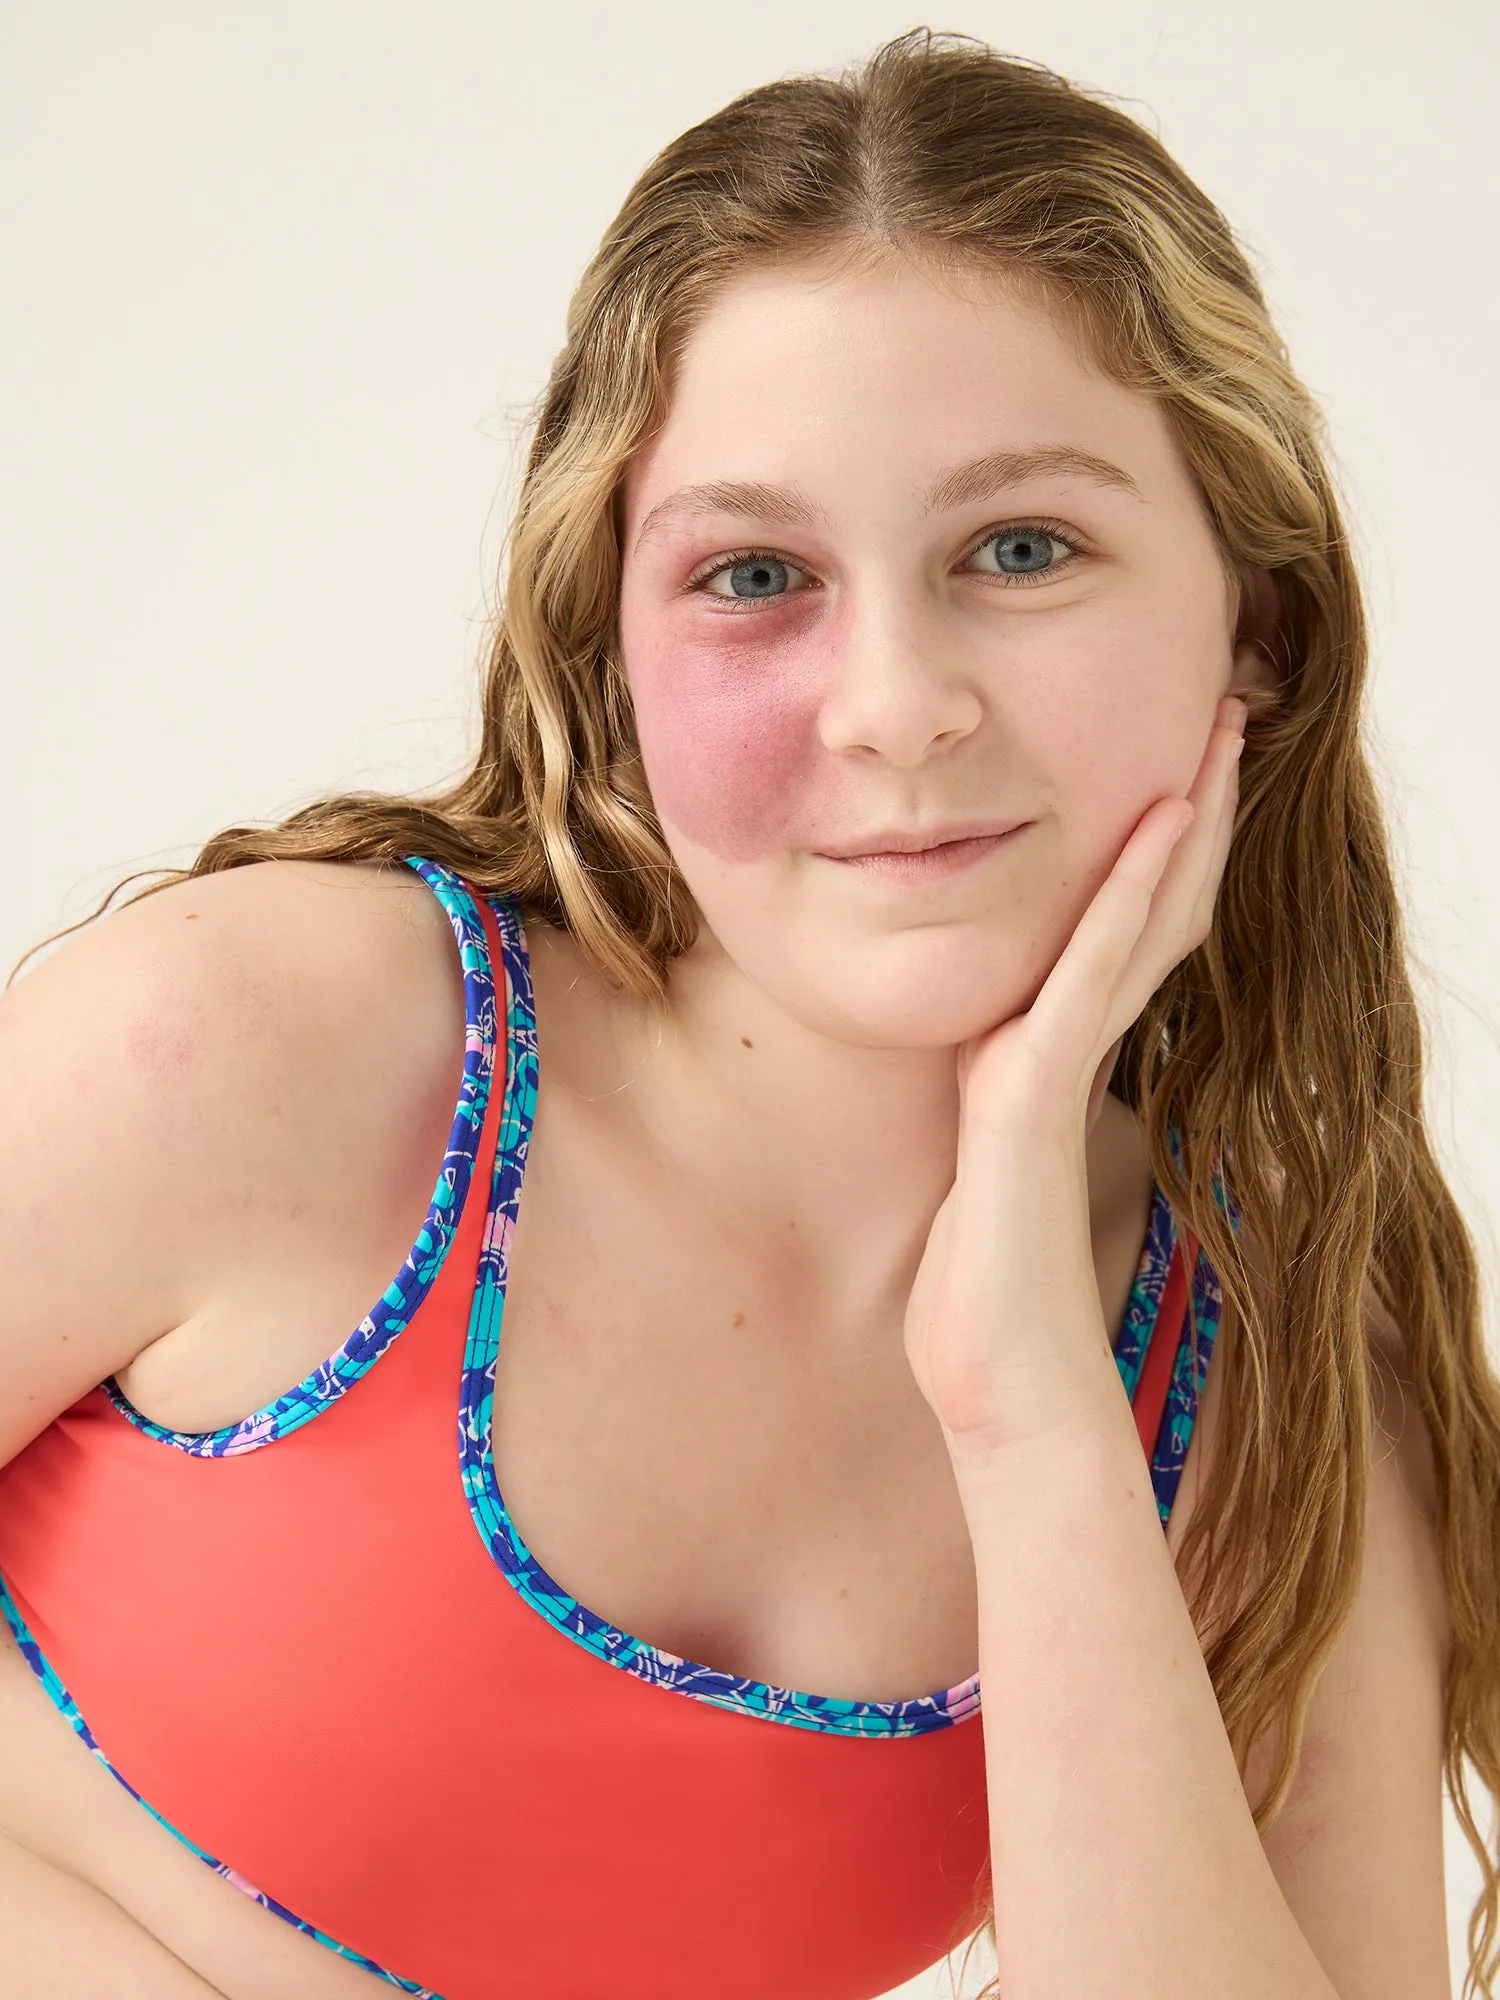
x=939 y=1130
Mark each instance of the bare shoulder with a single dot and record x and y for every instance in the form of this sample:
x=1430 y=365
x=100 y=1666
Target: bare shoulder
x=168 y=1077
x=291 y=916
x=194 y=996
x=265 y=921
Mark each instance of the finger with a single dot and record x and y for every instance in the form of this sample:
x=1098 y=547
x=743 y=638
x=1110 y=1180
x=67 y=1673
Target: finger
x=1211 y=787
x=1142 y=922
x=1203 y=910
x=1138 y=925
x=1182 y=906
x=1077 y=998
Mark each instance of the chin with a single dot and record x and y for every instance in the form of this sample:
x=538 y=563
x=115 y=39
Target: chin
x=910 y=990
x=907 y=1021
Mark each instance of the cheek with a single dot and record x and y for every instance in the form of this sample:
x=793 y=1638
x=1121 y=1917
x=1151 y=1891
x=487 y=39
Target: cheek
x=1121 y=718
x=728 y=732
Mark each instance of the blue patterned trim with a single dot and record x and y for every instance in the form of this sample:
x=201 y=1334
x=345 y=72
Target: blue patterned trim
x=401 y=1298
x=1189 y=1372
x=1200 y=1326
x=605 y=1641
x=1145 y=1298
x=63 y=1701
x=1195 y=1349
x=498 y=1532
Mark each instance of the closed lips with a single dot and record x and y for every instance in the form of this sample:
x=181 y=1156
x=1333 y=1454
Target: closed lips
x=895 y=842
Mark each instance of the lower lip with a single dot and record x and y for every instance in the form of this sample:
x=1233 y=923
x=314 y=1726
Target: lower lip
x=931 y=864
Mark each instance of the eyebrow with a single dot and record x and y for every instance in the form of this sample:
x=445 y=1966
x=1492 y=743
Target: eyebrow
x=962 y=486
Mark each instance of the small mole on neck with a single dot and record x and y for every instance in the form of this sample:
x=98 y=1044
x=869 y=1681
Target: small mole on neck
x=746 y=1043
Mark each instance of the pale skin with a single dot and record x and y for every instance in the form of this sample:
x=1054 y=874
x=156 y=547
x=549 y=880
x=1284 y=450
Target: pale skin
x=926 y=693
x=894 y=1093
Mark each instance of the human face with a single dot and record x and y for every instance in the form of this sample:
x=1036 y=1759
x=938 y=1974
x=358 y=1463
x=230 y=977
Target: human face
x=831 y=631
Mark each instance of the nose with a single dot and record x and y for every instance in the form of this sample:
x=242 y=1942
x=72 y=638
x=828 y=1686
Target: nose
x=899 y=691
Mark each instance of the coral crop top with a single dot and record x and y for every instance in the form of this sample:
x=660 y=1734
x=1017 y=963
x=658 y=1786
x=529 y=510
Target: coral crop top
x=314 y=1647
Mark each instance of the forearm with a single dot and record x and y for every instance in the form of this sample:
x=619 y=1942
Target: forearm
x=63 y=1939
x=1125 y=1857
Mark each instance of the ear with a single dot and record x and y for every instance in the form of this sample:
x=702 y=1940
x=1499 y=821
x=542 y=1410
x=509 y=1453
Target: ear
x=1262 y=637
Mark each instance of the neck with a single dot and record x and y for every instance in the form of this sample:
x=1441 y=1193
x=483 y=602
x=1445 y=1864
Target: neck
x=842 y=1154
x=838 y=1155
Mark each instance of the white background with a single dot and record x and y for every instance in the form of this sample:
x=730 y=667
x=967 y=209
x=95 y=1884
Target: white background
x=282 y=281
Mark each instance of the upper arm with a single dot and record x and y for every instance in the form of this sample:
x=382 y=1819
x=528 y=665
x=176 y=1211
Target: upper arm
x=104 y=1052
x=65 y=1939
x=1358 y=1847
x=167 y=1080
x=114 y=1053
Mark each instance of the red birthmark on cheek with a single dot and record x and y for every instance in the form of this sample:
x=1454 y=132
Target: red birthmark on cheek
x=728 y=726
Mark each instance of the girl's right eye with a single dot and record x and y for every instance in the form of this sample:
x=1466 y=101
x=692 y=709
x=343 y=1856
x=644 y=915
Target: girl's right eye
x=751 y=576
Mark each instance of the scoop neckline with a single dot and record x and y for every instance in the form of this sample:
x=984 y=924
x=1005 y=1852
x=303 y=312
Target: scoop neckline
x=486 y=988
x=739 y=1694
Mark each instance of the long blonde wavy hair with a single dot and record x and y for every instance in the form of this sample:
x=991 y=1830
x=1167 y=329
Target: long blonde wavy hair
x=1289 y=1044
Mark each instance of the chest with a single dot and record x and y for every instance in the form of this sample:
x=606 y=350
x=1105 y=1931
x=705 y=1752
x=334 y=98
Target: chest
x=683 y=1446
x=689 y=1470
x=694 y=1458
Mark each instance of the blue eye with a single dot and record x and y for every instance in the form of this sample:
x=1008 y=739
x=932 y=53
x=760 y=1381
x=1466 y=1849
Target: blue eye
x=760 y=577
x=1025 y=552
x=1030 y=546
x=750 y=574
